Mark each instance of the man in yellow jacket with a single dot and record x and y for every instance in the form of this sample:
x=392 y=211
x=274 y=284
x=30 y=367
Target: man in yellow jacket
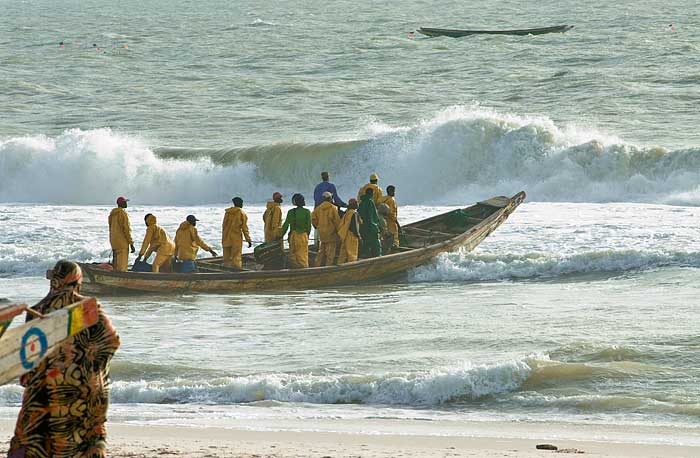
x=188 y=242
x=156 y=239
x=392 y=219
x=120 y=235
x=326 y=219
x=349 y=233
x=273 y=218
x=377 y=193
x=233 y=229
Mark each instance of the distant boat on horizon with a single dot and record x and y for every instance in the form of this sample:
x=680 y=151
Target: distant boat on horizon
x=456 y=33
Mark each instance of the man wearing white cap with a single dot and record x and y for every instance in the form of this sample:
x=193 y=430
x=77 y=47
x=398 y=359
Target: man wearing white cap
x=120 y=235
x=325 y=218
x=377 y=191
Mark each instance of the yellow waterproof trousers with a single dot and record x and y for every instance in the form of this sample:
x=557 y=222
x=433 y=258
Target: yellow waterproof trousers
x=164 y=261
x=233 y=253
x=326 y=254
x=121 y=260
x=393 y=228
x=348 y=249
x=298 y=250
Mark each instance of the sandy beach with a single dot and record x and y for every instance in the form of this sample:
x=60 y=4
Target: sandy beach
x=134 y=441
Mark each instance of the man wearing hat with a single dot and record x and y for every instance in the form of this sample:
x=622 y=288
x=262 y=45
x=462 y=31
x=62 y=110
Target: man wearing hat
x=376 y=190
x=325 y=186
x=273 y=218
x=233 y=229
x=120 y=235
x=187 y=243
x=325 y=218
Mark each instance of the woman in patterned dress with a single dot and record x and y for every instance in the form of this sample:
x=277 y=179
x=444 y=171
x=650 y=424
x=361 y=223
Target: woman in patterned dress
x=64 y=406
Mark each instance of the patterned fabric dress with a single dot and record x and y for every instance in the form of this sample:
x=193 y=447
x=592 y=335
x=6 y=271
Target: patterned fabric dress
x=64 y=407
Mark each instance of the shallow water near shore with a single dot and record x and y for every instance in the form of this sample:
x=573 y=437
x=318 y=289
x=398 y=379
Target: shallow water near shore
x=591 y=322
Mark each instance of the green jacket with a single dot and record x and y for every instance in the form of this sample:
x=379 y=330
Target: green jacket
x=298 y=220
x=368 y=214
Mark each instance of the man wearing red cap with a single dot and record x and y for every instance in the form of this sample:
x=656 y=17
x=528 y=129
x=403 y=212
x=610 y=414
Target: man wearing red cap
x=273 y=218
x=120 y=236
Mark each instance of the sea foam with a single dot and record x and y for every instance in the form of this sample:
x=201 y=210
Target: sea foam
x=457 y=155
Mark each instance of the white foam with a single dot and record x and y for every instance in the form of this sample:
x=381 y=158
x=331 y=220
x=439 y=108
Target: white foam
x=92 y=167
x=459 y=154
x=460 y=266
x=414 y=389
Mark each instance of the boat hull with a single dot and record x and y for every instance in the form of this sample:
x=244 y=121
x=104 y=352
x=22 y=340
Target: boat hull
x=98 y=279
x=457 y=33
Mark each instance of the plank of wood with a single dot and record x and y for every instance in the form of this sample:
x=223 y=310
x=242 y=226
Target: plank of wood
x=23 y=347
x=429 y=232
x=7 y=314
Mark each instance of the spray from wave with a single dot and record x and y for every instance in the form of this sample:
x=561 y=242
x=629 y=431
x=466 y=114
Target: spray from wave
x=461 y=266
x=460 y=154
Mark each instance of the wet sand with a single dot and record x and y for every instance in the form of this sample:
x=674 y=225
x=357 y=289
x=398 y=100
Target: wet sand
x=173 y=441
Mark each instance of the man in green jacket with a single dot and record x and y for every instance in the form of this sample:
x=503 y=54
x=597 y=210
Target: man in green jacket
x=369 y=229
x=298 y=222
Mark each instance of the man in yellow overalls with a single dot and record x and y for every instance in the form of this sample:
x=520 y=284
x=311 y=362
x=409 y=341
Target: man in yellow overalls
x=392 y=221
x=120 y=235
x=188 y=243
x=273 y=218
x=349 y=233
x=298 y=222
x=326 y=219
x=233 y=229
x=156 y=239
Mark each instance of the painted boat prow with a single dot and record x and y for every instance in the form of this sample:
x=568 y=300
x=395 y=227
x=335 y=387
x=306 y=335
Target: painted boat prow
x=23 y=347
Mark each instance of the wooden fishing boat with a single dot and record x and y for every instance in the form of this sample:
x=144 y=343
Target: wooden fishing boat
x=423 y=240
x=456 y=33
x=24 y=346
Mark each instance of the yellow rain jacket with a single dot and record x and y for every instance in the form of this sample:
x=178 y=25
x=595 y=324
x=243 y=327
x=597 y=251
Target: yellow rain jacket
x=233 y=229
x=120 y=238
x=187 y=242
x=273 y=221
x=350 y=243
x=392 y=218
x=156 y=239
x=119 y=229
x=326 y=219
x=376 y=197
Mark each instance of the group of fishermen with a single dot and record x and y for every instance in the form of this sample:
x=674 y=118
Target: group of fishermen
x=368 y=227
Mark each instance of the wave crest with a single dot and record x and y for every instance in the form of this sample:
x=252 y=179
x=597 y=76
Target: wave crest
x=461 y=154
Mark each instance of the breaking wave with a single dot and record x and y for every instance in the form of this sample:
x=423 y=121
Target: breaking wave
x=460 y=266
x=460 y=154
x=536 y=382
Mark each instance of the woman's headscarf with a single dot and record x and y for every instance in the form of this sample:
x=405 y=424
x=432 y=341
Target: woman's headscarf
x=66 y=278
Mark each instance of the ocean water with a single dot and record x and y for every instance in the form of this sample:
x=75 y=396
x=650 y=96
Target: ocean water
x=581 y=308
